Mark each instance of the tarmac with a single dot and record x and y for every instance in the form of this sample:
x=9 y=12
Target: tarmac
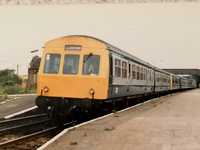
x=16 y=103
x=168 y=123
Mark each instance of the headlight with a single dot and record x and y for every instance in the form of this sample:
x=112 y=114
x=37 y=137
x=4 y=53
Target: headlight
x=46 y=89
x=91 y=91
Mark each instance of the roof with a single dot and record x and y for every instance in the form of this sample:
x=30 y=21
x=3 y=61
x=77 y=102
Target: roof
x=112 y=48
x=118 y=51
x=185 y=71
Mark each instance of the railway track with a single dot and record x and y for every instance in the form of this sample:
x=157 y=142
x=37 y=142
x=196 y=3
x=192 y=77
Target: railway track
x=22 y=122
x=28 y=132
x=33 y=140
x=12 y=129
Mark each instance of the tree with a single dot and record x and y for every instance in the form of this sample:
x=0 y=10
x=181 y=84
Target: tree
x=8 y=77
x=9 y=82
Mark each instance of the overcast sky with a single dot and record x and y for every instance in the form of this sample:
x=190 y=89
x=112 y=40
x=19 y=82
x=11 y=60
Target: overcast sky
x=166 y=35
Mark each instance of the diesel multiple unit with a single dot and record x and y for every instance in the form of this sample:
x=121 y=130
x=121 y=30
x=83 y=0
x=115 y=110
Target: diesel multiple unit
x=78 y=71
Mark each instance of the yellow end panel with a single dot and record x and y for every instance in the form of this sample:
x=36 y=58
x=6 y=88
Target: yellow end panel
x=79 y=85
x=74 y=87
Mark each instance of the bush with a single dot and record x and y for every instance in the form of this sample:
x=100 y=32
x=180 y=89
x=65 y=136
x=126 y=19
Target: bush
x=9 y=82
x=13 y=90
x=9 y=78
x=1 y=91
x=30 y=91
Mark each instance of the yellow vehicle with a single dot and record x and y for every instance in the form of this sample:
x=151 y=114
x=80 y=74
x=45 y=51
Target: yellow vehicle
x=73 y=70
x=82 y=73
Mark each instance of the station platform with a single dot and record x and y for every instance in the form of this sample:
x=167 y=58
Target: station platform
x=16 y=104
x=171 y=122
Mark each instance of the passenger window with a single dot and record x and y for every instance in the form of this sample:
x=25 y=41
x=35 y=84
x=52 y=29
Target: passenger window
x=133 y=72
x=91 y=64
x=124 y=69
x=129 y=70
x=71 y=64
x=153 y=76
x=157 y=77
x=138 y=73
x=52 y=63
x=141 y=73
x=117 y=68
x=149 y=75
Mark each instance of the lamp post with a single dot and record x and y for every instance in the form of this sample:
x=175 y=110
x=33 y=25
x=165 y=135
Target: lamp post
x=17 y=70
x=34 y=51
x=32 y=76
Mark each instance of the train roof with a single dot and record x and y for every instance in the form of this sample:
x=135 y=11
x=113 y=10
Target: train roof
x=124 y=53
x=118 y=51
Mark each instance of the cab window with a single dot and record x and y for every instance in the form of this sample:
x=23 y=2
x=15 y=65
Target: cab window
x=52 y=63
x=71 y=64
x=91 y=64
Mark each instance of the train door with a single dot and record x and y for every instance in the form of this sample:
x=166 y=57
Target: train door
x=154 y=81
x=111 y=69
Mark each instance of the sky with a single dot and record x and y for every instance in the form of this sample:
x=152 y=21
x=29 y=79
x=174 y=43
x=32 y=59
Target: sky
x=165 y=35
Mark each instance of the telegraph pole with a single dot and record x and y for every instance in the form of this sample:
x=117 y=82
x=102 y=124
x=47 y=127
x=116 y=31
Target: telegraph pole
x=17 y=74
x=17 y=69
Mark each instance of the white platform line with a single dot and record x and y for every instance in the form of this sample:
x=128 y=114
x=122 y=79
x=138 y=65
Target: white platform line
x=21 y=95
x=8 y=100
x=20 y=112
x=88 y=122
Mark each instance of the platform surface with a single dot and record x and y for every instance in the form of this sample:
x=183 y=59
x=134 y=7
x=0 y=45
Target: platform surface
x=167 y=123
x=15 y=104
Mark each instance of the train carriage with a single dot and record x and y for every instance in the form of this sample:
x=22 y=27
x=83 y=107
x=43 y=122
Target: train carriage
x=175 y=82
x=130 y=75
x=80 y=71
x=187 y=83
x=162 y=80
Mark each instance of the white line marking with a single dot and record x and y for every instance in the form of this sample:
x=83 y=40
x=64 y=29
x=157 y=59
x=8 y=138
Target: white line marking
x=8 y=100
x=20 y=112
x=21 y=95
x=85 y=123
x=3 y=102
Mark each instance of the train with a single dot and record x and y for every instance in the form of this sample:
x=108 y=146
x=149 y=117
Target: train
x=80 y=73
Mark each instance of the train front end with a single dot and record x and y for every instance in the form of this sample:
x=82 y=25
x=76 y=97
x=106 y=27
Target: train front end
x=73 y=74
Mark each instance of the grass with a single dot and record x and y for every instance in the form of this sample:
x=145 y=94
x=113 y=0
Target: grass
x=7 y=90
